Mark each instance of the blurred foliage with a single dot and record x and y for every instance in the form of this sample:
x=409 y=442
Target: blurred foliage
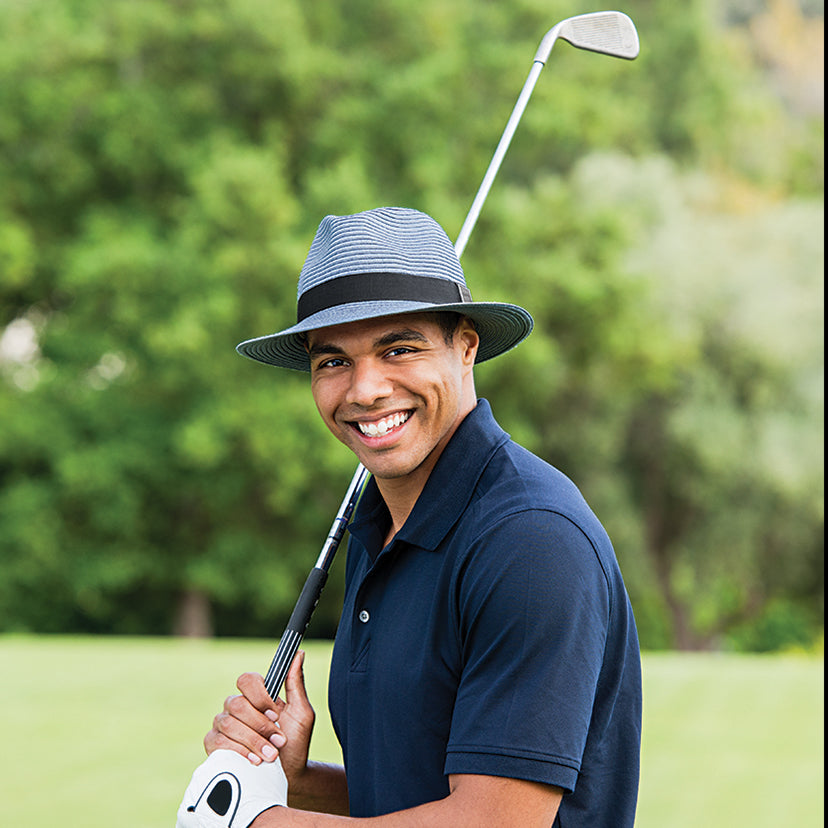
x=163 y=166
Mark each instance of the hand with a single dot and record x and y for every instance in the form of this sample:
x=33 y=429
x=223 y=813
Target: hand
x=227 y=791
x=258 y=728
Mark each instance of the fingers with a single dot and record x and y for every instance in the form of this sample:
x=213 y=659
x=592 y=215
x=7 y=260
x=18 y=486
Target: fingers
x=248 y=723
x=295 y=680
x=253 y=688
x=216 y=740
x=298 y=705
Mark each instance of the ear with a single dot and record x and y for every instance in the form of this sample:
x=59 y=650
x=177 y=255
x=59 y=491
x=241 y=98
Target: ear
x=468 y=339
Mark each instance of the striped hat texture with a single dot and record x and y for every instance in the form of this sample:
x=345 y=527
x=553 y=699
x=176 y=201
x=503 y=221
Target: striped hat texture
x=384 y=262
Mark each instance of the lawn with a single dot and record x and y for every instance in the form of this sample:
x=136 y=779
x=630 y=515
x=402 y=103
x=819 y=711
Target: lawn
x=102 y=732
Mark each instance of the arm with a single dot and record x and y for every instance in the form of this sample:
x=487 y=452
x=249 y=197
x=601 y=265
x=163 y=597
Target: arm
x=473 y=801
x=317 y=793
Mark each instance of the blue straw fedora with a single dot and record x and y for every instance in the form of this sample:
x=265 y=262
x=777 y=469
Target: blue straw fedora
x=384 y=262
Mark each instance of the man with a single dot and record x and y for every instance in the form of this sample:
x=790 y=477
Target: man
x=486 y=668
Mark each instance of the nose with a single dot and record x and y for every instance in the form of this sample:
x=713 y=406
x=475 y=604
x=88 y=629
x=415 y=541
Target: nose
x=369 y=383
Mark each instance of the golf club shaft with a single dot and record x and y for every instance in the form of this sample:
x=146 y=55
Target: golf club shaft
x=609 y=33
x=497 y=158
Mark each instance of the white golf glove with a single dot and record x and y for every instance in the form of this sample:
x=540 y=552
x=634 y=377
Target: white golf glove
x=226 y=791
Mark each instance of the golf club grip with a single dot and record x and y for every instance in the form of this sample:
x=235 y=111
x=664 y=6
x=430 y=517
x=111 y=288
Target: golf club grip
x=309 y=598
x=295 y=631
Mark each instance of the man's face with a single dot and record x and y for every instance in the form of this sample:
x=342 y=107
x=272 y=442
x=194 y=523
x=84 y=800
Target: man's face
x=392 y=389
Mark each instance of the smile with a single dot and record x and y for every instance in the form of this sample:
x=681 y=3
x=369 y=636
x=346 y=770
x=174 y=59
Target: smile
x=380 y=428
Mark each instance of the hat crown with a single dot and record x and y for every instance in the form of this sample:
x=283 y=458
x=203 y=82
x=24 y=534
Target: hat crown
x=383 y=240
x=380 y=263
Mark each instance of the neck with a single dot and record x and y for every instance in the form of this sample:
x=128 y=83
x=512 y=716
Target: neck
x=400 y=495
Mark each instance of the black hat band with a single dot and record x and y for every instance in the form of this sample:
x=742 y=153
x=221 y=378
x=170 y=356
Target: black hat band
x=379 y=287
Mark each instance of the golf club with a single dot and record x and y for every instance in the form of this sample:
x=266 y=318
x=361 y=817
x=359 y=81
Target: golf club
x=608 y=33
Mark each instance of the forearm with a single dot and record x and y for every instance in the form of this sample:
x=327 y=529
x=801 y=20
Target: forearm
x=473 y=801
x=411 y=818
x=433 y=814
x=321 y=787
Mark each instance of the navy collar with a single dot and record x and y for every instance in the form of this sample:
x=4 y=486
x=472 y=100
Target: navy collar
x=447 y=491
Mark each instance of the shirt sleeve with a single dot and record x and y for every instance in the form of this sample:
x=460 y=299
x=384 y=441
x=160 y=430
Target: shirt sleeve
x=532 y=609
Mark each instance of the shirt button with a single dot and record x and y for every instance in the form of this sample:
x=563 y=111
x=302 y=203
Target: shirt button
x=364 y=616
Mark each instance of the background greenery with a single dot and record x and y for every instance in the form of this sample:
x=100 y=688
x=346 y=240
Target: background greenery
x=112 y=728
x=163 y=166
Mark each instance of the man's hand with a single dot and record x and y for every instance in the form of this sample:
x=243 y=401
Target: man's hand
x=259 y=729
x=227 y=791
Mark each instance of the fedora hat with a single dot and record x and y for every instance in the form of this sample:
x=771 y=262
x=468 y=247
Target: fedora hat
x=384 y=262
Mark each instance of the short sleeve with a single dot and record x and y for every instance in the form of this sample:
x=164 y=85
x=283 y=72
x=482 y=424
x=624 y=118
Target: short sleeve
x=532 y=608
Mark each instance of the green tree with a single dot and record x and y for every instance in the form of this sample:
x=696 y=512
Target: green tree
x=162 y=169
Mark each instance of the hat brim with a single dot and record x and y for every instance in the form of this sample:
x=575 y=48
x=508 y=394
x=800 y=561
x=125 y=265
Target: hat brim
x=500 y=326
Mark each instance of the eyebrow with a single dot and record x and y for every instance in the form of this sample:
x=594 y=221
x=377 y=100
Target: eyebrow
x=389 y=338
x=404 y=335
x=321 y=350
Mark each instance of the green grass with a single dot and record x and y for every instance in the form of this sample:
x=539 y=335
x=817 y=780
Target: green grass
x=101 y=732
x=732 y=741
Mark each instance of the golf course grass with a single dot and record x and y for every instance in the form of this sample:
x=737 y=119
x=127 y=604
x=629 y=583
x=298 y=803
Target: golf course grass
x=104 y=732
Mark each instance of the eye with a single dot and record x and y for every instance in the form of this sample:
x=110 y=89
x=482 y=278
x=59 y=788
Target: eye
x=333 y=362
x=400 y=350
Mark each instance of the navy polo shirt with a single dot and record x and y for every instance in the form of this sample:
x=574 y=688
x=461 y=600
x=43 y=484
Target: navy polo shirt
x=492 y=636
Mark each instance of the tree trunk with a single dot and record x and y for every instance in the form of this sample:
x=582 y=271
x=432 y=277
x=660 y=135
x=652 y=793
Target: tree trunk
x=193 y=617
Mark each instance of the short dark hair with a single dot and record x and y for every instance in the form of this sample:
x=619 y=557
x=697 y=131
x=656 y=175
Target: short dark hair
x=448 y=321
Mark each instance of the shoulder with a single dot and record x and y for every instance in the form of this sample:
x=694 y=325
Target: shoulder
x=517 y=487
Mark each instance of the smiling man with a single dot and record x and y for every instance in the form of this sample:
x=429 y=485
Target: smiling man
x=486 y=667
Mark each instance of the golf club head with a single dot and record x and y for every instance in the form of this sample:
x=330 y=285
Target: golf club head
x=607 y=32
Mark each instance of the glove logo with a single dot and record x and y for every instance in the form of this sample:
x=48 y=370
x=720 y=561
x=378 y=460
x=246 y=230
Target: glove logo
x=220 y=798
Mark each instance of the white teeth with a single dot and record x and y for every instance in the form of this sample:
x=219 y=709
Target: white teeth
x=383 y=426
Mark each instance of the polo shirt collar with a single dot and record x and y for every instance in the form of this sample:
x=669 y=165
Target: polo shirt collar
x=448 y=489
